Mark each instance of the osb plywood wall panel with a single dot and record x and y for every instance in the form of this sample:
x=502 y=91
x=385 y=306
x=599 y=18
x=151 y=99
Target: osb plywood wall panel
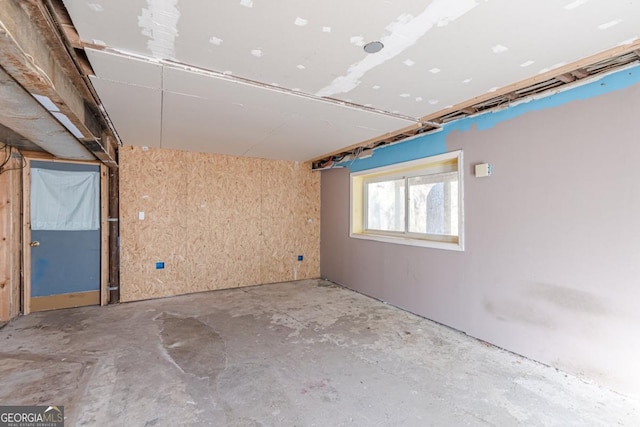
x=223 y=213
x=216 y=222
x=287 y=230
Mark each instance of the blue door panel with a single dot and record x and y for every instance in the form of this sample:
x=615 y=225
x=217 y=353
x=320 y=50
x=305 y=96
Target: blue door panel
x=65 y=261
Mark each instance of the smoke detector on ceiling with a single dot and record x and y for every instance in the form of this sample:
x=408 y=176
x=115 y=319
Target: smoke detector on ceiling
x=373 y=47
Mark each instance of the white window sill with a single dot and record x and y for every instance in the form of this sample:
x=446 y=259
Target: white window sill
x=407 y=241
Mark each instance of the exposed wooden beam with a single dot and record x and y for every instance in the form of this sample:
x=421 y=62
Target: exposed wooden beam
x=24 y=115
x=85 y=67
x=72 y=35
x=511 y=96
x=33 y=53
x=10 y=188
x=566 y=78
x=61 y=12
x=580 y=73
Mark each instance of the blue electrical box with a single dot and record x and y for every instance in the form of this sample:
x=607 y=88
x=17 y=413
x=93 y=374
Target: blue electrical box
x=300 y=257
x=159 y=265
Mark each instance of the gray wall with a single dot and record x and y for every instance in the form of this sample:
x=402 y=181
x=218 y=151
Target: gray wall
x=551 y=268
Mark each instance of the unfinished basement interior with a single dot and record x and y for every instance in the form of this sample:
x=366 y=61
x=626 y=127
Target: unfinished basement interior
x=297 y=213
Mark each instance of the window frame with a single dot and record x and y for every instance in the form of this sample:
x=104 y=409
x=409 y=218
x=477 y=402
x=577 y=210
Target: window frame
x=429 y=166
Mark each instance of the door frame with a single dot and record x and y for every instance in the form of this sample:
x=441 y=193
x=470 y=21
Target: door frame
x=26 y=227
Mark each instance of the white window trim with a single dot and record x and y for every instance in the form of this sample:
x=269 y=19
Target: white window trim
x=357 y=203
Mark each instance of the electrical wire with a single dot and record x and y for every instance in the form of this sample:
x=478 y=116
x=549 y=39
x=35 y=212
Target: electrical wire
x=7 y=155
x=24 y=165
x=356 y=154
x=8 y=150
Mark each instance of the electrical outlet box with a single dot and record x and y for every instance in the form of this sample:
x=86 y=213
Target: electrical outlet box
x=483 y=170
x=160 y=265
x=300 y=257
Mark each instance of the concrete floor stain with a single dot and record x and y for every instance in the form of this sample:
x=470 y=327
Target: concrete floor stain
x=289 y=354
x=194 y=346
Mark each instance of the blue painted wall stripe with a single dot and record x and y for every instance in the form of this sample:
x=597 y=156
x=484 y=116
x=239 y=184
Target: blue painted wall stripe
x=435 y=143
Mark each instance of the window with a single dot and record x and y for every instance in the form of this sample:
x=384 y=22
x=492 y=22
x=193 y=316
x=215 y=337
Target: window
x=415 y=203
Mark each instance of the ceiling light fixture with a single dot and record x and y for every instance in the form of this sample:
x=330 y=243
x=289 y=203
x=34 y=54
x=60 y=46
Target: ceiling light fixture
x=373 y=47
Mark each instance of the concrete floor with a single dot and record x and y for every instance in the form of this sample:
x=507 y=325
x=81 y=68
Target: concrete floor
x=305 y=353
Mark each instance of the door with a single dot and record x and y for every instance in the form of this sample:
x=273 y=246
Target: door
x=64 y=222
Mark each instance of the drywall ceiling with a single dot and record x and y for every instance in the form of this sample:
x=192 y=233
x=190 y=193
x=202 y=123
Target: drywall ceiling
x=290 y=79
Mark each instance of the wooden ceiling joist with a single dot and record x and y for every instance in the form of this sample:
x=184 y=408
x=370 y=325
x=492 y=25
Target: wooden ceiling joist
x=580 y=73
x=566 y=78
x=28 y=44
